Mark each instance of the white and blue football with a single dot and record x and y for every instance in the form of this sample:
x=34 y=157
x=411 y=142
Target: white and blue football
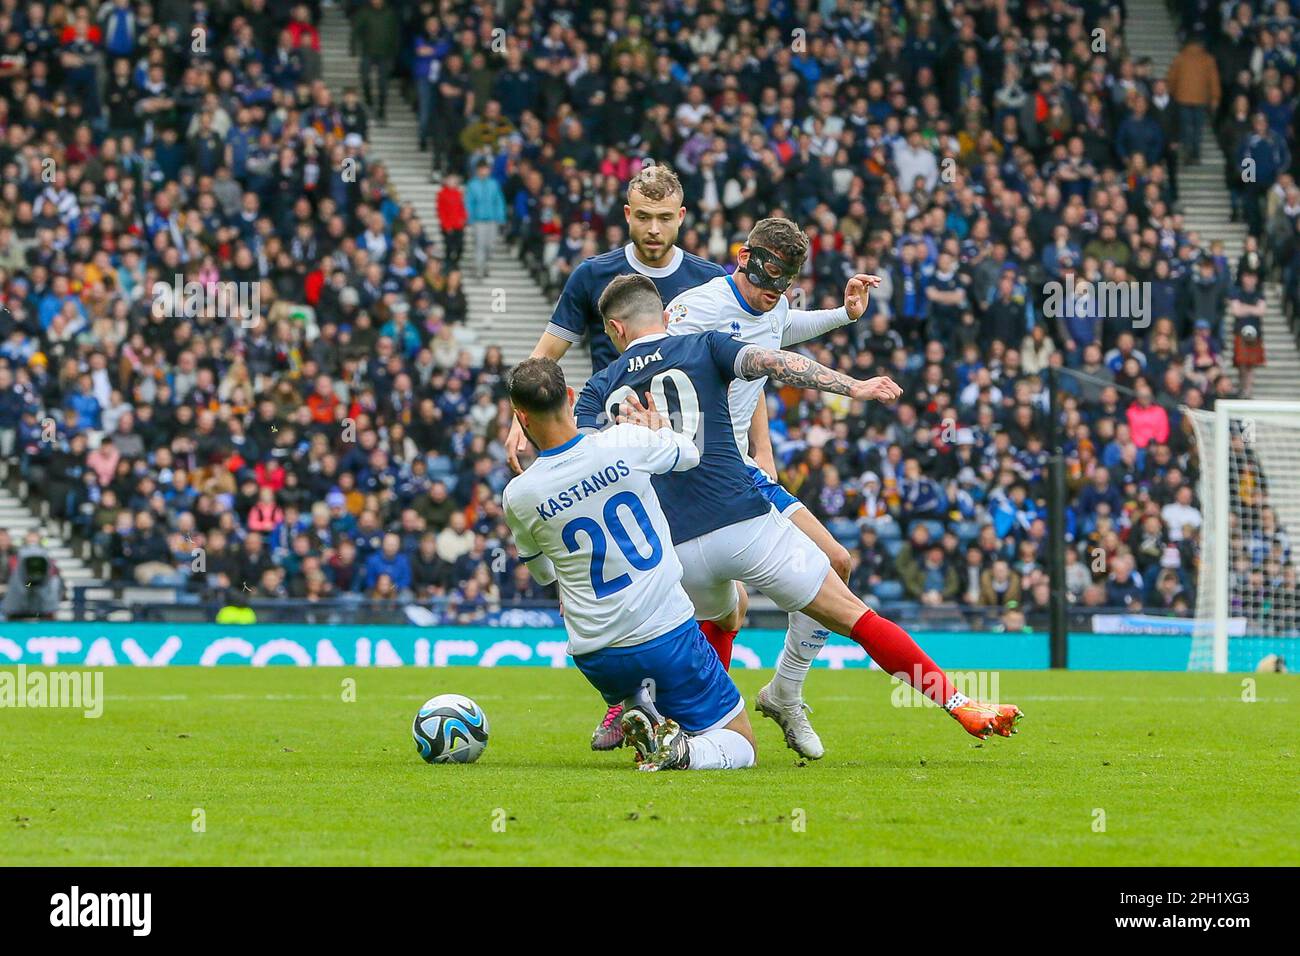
x=450 y=728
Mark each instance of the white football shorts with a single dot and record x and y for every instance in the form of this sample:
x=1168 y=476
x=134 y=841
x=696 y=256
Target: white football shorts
x=768 y=553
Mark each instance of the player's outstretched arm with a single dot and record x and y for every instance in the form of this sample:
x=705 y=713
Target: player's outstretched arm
x=805 y=325
x=791 y=368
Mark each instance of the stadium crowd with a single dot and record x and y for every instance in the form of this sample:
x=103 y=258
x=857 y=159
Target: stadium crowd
x=342 y=435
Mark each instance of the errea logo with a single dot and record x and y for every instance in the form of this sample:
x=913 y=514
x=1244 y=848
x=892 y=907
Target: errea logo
x=75 y=908
x=637 y=362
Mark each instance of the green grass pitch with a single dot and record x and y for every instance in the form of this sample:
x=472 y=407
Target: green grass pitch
x=1177 y=768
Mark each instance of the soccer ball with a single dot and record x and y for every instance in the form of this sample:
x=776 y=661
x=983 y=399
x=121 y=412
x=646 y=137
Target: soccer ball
x=450 y=729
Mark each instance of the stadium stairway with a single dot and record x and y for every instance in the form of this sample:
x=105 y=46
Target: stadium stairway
x=525 y=307
x=18 y=520
x=1149 y=31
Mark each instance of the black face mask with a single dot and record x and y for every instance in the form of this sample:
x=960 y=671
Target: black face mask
x=756 y=270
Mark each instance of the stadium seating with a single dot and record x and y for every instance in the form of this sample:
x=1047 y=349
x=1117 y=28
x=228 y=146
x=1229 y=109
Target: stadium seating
x=972 y=162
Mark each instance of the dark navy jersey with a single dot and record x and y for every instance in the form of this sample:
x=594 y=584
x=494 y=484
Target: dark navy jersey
x=689 y=377
x=576 y=313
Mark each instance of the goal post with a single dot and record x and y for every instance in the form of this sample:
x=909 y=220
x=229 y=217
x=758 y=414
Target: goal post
x=1247 y=599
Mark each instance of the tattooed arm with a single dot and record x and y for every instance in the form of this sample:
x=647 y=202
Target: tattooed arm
x=791 y=368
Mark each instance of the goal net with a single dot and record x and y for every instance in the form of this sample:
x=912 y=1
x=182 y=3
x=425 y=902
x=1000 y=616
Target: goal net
x=1247 y=599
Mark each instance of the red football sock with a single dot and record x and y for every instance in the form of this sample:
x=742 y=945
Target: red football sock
x=894 y=650
x=721 y=641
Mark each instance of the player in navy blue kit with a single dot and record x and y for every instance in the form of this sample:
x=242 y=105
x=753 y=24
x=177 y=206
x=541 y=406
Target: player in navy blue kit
x=688 y=378
x=724 y=529
x=576 y=314
x=654 y=213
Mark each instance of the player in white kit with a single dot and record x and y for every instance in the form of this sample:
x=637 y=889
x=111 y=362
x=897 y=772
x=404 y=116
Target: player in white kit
x=751 y=306
x=585 y=515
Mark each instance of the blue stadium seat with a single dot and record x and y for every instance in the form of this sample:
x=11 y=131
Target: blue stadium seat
x=886 y=530
x=441 y=468
x=936 y=528
x=888 y=591
x=844 y=530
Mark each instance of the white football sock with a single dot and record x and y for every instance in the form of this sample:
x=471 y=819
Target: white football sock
x=720 y=749
x=803 y=642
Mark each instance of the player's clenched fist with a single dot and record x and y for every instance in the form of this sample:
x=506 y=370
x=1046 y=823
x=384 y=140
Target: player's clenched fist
x=857 y=293
x=879 y=389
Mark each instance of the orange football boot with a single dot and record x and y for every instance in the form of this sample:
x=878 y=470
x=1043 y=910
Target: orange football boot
x=981 y=719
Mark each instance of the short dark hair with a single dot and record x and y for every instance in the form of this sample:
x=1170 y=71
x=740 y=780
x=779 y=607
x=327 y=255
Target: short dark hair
x=781 y=236
x=628 y=296
x=537 y=385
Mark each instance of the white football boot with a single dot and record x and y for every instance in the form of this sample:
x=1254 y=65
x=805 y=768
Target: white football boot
x=792 y=718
